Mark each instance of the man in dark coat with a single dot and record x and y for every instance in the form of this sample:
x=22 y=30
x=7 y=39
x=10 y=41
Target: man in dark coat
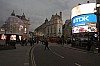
x=46 y=44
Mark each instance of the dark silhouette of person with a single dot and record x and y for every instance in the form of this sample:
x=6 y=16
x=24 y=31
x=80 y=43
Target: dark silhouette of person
x=89 y=45
x=7 y=40
x=25 y=42
x=62 y=39
x=22 y=42
x=31 y=41
x=46 y=44
x=42 y=41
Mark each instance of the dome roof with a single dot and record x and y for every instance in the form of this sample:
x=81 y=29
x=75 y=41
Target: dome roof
x=14 y=19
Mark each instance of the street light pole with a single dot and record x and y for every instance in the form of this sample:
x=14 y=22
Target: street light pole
x=98 y=21
x=6 y=35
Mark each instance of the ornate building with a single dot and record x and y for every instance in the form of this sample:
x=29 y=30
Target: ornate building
x=17 y=24
x=67 y=29
x=52 y=28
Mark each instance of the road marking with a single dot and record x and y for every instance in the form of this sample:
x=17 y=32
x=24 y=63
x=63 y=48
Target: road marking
x=26 y=64
x=32 y=57
x=58 y=54
x=77 y=64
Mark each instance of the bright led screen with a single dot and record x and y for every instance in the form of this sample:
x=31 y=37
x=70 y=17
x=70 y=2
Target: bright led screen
x=84 y=19
x=13 y=37
x=3 y=36
x=83 y=9
x=84 y=23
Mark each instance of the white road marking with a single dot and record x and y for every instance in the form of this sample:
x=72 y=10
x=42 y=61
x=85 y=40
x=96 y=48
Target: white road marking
x=26 y=64
x=77 y=64
x=32 y=57
x=58 y=54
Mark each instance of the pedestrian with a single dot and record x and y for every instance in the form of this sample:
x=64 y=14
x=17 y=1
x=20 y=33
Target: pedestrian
x=62 y=39
x=31 y=42
x=46 y=44
x=26 y=42
x=42 y=41
x=37 y=41
x=89 y=45
x=22 y=42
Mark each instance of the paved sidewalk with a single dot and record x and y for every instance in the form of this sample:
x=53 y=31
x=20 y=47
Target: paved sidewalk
x=74 y=48
x=81 y=49
x=15 y=57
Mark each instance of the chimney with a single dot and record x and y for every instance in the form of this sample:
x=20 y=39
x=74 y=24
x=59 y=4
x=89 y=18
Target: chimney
x=61 y=15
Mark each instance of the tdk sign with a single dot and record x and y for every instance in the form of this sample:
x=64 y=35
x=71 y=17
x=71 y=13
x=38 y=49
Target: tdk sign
x=82 y=20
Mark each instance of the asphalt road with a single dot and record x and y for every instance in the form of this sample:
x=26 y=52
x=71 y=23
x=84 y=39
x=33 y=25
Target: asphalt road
x=63 y=56
x=15 y=57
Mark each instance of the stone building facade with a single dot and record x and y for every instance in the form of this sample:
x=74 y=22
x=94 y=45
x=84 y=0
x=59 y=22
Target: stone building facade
x=16 y=24
x=67 y=29
x=51 y=28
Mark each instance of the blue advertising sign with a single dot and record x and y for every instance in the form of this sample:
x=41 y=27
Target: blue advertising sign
x=83 y=19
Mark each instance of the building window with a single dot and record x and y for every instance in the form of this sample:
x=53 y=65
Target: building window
x=48 y=30
x=54 y=30
x=59 y=31
x=14 y=30
x=51 y=29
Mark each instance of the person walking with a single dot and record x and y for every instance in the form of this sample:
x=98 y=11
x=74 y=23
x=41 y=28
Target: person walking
x=46 y=44
x=26 y=42
x=62 y=39
x=31 y=42
x=89 y=45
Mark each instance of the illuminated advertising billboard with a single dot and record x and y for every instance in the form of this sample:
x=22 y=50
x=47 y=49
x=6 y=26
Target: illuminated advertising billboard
x=3 y=37
x=13 y=37
x=84 y=23
x=20 y=27
x=83 y=19
x=20 y=38
x=83 y=9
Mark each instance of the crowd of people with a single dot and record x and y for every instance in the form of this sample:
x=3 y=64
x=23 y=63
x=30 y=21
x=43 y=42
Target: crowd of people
x=25 y=42
x=61 y=41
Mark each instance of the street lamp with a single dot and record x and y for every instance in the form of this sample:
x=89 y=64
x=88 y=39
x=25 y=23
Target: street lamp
x=98 y=21
x=5 y=33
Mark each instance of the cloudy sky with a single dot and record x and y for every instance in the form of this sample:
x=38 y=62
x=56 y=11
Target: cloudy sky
x=38 y=10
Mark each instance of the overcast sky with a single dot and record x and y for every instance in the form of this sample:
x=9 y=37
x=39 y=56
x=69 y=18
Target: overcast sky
x=38 y=10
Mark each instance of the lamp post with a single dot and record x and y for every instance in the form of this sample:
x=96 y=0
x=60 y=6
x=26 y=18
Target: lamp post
x=98 y=20
x=98 y=24
x=88 y=35
x=5 y=33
